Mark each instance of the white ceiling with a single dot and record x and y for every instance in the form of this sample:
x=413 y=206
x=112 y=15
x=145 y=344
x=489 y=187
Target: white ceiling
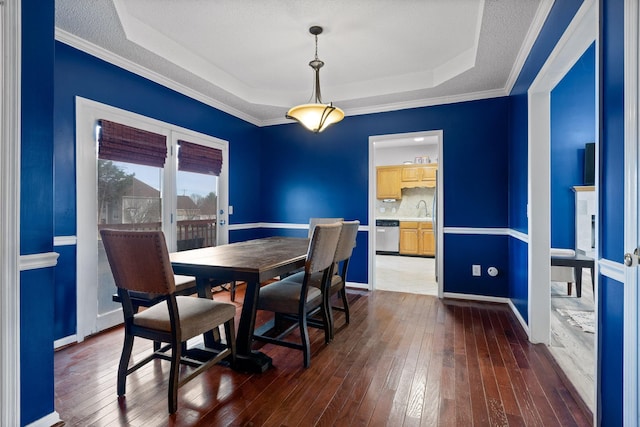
x=250 y=58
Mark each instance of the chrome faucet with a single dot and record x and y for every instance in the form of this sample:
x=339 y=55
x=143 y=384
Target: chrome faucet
x=425 y=207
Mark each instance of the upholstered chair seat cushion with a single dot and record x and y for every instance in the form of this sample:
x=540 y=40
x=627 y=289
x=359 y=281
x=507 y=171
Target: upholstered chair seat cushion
x=316 y=280
x=284 y=296
x=197 y=315
x=561 y=273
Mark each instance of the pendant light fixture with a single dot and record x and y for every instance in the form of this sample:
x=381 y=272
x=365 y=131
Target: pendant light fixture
x=316 y=116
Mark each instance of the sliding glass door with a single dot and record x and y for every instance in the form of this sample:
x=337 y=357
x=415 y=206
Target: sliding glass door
x=135 y=173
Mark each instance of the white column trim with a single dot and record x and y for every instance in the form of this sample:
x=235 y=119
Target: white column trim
x=630 y=275
x=10 y=105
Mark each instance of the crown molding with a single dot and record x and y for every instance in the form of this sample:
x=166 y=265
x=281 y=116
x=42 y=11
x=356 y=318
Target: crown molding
x=110 y=57
x=418 y=103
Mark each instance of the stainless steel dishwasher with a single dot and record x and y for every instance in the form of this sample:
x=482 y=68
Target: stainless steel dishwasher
x=387 y=236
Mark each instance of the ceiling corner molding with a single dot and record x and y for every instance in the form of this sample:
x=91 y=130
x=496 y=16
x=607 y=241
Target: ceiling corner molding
x=101 y=53
x=425 y=102
x=534 y=31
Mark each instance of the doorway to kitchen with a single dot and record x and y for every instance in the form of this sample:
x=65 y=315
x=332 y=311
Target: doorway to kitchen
x=405 y=206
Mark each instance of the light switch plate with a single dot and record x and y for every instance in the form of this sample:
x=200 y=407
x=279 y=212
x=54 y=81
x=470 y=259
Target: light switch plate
x=476 y=270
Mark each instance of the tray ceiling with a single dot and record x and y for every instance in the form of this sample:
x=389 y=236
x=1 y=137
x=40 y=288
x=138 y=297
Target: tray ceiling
x=250 y=58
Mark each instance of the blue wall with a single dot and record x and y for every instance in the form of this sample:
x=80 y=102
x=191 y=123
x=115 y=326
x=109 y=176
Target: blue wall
x=327 y=175
x=304 y=174
x=480 y=138
x=561 y=14
x=518 y=163
x=486 y=250
x=611 y=221
x=573 y=123
x=36 y=210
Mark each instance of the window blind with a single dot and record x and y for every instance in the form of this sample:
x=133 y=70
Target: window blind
x=132 y=145
x=199 y=159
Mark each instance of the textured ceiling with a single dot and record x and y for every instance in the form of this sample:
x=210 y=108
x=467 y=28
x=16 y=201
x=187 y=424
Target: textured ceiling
x=250 y=58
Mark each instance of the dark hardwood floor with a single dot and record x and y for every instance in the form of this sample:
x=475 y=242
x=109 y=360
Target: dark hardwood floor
x=404 y=360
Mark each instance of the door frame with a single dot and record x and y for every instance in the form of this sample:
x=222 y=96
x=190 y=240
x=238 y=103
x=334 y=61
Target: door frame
x=87 y=114
x=579 y=35
x=439 y=203
x=10 y=125
x=631 y=329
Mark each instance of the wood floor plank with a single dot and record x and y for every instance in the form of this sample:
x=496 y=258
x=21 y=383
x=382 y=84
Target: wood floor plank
x=479 y=408
x=403 y=360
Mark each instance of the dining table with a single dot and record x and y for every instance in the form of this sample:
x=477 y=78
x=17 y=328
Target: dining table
x=253 y=262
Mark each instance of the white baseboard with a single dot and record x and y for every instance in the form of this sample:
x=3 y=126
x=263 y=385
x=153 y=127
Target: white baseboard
x=499 y=300
x=357 y=285
x=46 y=421
x=71 y=339
x=519 y=317
x=472 y=297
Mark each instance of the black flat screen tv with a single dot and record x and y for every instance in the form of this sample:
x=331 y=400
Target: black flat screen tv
x=590 y=163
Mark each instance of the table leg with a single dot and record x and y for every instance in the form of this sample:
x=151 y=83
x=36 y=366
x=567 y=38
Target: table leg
x=204 y=291
x=247 y=360
x=578 y=274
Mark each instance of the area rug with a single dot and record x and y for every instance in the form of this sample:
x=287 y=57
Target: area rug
x=585 y=320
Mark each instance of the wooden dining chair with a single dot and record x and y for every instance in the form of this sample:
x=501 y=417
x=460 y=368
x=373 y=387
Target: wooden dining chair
x=297 y=298
x=139 y=261
x=337 y=283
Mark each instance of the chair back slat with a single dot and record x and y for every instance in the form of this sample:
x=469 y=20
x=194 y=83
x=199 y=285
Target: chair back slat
x=322 y=247
x=139 y=260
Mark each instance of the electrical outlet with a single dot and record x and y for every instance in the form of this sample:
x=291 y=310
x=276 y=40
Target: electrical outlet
x=476 y=270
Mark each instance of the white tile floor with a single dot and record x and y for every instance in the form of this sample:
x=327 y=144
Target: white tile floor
x=406 y=274
x=573 y=348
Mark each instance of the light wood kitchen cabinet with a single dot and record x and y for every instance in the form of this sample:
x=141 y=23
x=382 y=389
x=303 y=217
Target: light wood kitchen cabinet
x=388 y=182
x=409 y=238
x=419 y=176
x=427 y=241
x=417 y=238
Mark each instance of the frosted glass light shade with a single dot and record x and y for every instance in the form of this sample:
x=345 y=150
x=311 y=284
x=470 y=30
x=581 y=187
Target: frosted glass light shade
x=316 y=117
